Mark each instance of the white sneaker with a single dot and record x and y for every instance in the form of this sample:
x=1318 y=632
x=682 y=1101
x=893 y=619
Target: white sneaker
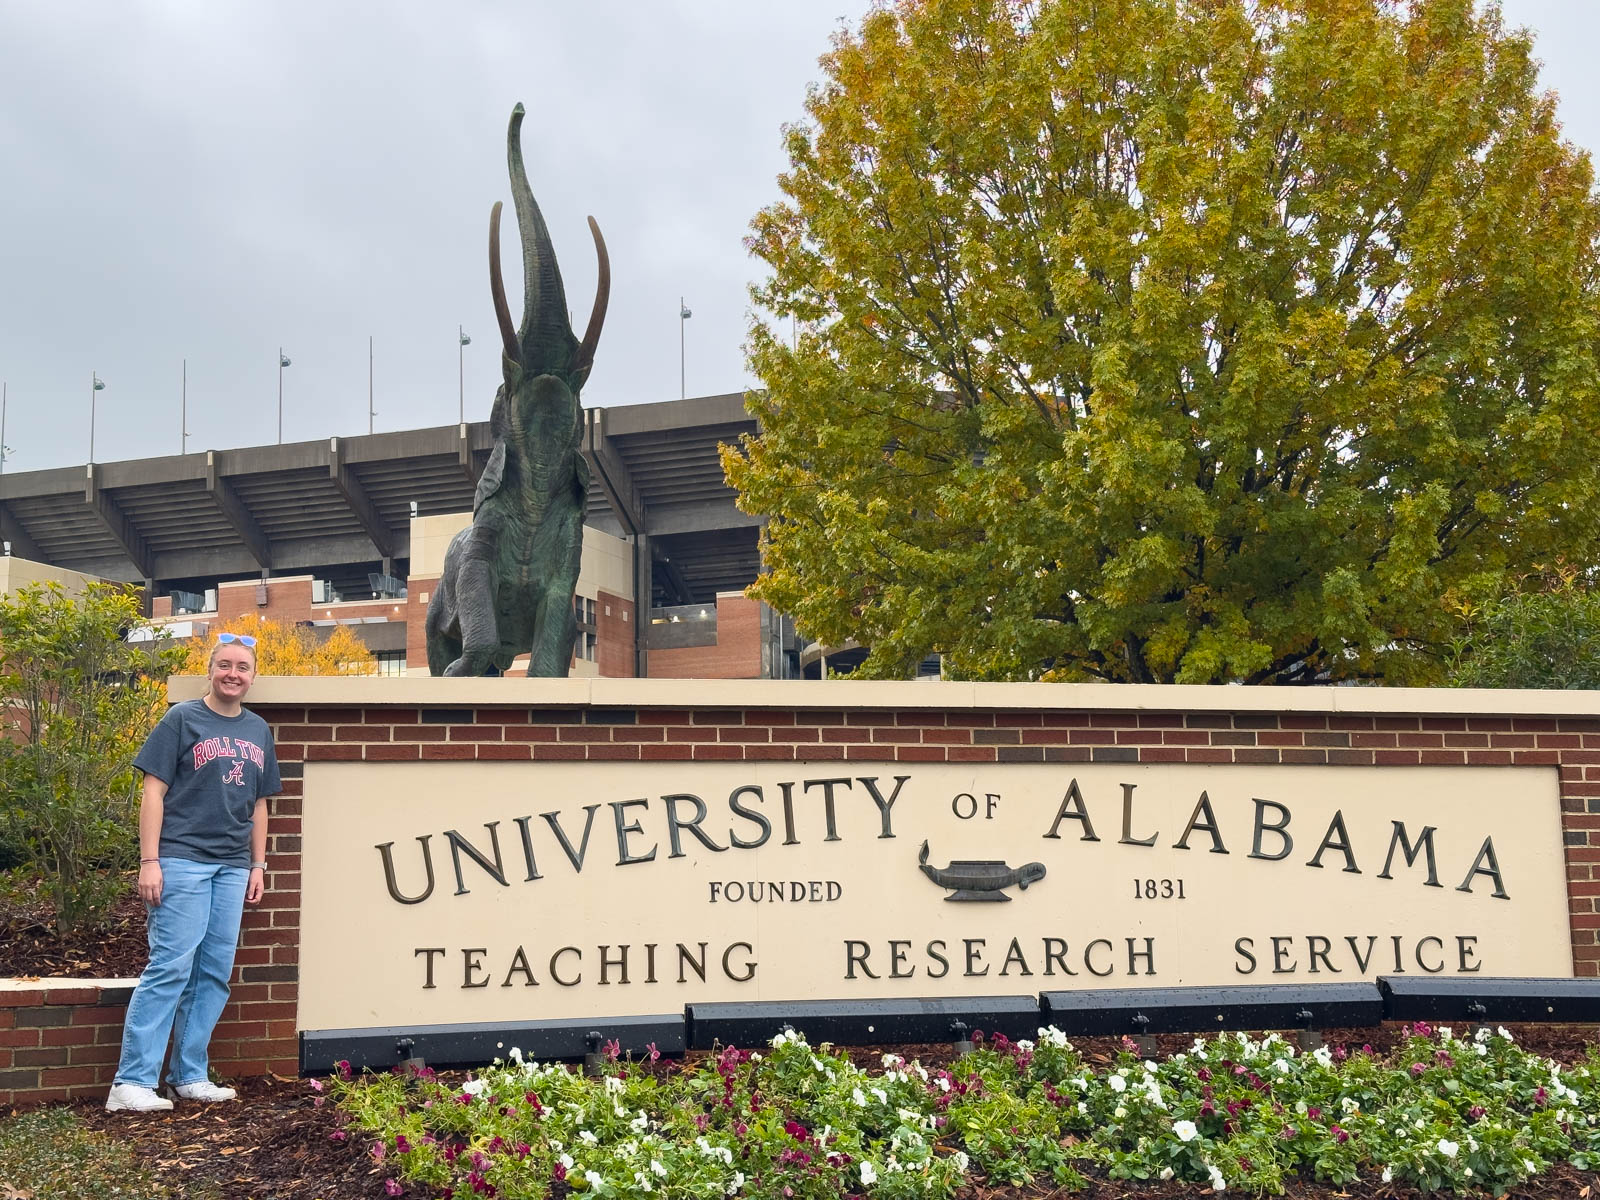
x=130 y=1097
x=205 y=1090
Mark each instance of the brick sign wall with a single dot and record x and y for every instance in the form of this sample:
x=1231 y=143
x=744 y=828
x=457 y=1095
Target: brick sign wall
x=57 y=1038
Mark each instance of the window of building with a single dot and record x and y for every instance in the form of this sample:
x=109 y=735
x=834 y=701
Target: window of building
x=391 y=662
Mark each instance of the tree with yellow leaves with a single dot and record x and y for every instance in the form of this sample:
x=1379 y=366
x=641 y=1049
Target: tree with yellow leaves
x=1187 y=341
x=283 y=649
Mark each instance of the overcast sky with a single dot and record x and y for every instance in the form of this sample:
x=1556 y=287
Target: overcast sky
x=210 y=180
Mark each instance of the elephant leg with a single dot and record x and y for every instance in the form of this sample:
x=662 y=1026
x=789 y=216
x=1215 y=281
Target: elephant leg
x=555 y=627
x=444 y=647
x=480 y=638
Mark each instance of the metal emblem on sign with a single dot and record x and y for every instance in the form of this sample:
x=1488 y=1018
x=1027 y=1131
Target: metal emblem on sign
x=987 y=879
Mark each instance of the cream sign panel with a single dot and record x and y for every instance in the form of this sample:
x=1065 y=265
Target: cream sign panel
x=444 y=893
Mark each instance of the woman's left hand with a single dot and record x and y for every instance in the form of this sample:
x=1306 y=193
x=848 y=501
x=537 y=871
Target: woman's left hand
x=257 y=885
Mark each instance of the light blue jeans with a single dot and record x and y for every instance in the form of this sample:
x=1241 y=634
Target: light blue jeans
x=193 y=933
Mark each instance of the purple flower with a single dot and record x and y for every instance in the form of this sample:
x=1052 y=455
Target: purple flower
x=1340 y=1134
x=1476 y=1112
x=377 y=1152
x=344 y=1068
x=401 y=1145
x=391 y=1187
x=558 y=1172
x=338 y=1135
x=1416 y=1070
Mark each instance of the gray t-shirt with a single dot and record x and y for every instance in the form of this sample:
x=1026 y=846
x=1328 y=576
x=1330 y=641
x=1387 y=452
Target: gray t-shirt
x=215 y=769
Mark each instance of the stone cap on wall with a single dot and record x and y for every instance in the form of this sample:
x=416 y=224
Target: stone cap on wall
x=577 y=692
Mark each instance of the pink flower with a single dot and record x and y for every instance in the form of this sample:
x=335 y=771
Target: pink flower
x=316 y=1085
x=401 y=1145
x=377 y=1152
x=338 y=1135
x=654 y=1053
x=344 y=1068
x=613 y=1049
x=558 y=1173
x=1416 y=1070
x=1340 y=1134
x=391 y=1187
x=1476 y=1111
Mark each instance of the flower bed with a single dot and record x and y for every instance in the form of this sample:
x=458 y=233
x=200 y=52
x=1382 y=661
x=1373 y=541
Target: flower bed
x=1435 y=1112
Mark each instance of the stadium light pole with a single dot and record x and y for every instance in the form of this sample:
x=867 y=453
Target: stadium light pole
x=283 y=362
x=462 y=340
x=96 y=385
x=683 y=316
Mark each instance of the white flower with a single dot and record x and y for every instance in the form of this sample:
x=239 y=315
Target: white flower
x=1466 y=1172
x=1117 y=1083
x=944 y=1084
x=1120 y=1112
x=474 y=1087
x=735 y=1183
x=1149 y=1067
x=1024 y=1045
x=655 y=1165
x=588 y=1138
x=869 y=1174
x=1529 y=1165
x=516 y=1055
x=592 y=1178
x=566 y=1162
x=1445 y=1033
x=1448 y=1148
x=1505 y=1033
x=1323 y=1055
x=859 y=1097
x=961 y=1161
x=1187 y=1131
x=1166 y=1173
x=1388 y=1174
x=1218 y=1183
x=883 y=1096
x=614 y=1083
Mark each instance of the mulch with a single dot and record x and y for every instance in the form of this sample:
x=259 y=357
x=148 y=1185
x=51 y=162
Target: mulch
x=30 y=946
x=277 y=1143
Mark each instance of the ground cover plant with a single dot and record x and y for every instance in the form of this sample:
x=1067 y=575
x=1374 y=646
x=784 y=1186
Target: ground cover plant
x=1473 y=1113
x=50 y=1152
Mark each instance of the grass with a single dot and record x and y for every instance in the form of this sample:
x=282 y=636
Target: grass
x=50 y=1153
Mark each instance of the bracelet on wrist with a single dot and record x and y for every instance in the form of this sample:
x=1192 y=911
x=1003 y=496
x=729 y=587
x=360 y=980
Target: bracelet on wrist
x=258 y=866
x=142 y=861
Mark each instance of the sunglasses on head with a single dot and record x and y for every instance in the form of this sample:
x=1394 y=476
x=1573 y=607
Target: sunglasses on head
x=244 y=639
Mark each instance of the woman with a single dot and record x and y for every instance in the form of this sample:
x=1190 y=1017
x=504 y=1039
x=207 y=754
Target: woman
x=208 y=770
